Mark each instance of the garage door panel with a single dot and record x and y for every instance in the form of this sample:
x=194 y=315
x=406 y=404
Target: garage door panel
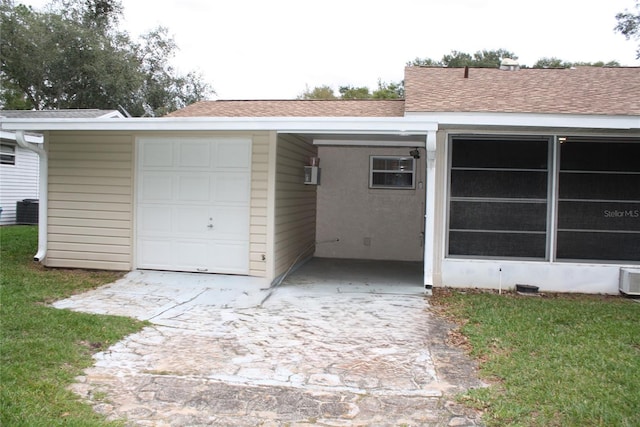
x=190 y=254
x=231 y=223
x=156 y=187
x=232 y=188
x=195 y=154
x=154 y=220
x=230 y=257
x=230 y=154
x=193 y=198
x=156 y=154
x=154 y=253
x=193 y=187
x=191 y=220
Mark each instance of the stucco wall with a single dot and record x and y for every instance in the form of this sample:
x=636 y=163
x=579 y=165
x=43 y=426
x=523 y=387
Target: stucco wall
x=357 y=222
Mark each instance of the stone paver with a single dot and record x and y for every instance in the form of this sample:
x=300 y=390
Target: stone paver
x=307 y=356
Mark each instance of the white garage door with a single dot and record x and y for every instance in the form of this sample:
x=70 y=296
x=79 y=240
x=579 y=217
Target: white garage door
x=192 y=211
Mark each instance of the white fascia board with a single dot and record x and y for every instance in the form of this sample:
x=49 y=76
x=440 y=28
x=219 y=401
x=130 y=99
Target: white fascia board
x=592 y=121
x=345 y=125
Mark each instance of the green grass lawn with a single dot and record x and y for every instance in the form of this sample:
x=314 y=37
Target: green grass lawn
x=42 y=348
x=555 y=360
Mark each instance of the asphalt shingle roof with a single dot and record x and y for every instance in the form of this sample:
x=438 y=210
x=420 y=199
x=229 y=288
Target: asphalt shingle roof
x=583 y=90
x=55 y=114
x=294 y=108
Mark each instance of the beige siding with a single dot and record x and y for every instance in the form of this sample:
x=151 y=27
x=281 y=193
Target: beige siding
x=90 y=201
x=258 y=211
x=295 y=204
x=91 y=197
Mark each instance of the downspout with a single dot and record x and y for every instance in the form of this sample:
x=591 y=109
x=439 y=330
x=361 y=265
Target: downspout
x=430 y=210
x=39 y=149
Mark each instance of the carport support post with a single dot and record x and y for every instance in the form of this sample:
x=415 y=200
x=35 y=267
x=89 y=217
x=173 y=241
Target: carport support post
x=430 y=209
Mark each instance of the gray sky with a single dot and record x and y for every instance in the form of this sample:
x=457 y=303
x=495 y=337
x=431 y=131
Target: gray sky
x=272 y=49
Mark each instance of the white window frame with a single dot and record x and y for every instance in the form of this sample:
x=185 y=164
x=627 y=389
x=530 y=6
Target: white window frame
x=411 y=171
x=7 y=154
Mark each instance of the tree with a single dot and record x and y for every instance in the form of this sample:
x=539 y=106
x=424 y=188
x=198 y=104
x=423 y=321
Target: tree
x=559 y=63
x=493 y=58
x=74 y=56
x=629 y=25
x=384 y=91
x=350 y=92
x=389 y=90
x=424 y=62
x=318 y=92
x=482 y=58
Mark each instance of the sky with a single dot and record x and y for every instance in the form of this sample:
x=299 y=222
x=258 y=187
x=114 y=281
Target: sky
x=275 y=49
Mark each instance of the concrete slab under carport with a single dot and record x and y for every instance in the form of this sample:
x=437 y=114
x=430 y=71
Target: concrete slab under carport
x=358 y=276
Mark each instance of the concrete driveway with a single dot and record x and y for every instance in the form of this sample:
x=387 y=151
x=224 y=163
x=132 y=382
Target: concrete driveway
x=313 y=354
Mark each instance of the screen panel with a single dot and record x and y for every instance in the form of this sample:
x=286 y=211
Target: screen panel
x=504 y=245
x=599 y=199
x=498 y=197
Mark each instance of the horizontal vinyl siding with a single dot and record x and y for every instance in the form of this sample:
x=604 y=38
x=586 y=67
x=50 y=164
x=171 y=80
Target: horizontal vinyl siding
x=18 y=182
x=295 y=204
x=90 y=201
x=258 y=210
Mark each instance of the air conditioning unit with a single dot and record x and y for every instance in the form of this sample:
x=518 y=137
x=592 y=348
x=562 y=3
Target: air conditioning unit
x=311 y=175
x=630 y=281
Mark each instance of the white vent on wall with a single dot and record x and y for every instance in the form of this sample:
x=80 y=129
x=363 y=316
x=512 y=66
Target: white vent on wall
x=630 y=281
x=311 y=175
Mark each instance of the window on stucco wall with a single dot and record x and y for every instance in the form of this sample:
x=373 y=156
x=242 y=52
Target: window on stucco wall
x=392 y=172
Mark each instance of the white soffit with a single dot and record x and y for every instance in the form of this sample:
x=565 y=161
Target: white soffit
x=370 y=142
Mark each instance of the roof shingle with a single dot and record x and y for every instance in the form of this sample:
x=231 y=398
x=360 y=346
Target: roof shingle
x=582 y=90
x=57 y=114
x=294 y=108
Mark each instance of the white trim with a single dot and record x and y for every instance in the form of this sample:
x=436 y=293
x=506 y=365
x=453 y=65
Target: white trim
x=346 y=125
x=411 y=123
x=430 y=210
x=587 y=121
x=418 y=142
x=43 y=206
